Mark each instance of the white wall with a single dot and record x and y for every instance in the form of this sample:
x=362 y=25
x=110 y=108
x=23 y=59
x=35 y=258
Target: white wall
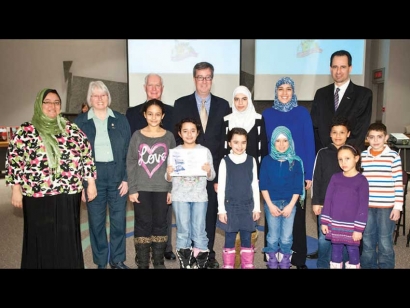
x=397 y=87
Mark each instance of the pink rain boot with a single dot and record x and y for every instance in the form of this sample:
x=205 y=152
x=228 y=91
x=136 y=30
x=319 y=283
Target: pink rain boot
x=247 y=256
x=228 y=257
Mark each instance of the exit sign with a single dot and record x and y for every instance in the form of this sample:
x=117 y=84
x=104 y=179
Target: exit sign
x=378 y=75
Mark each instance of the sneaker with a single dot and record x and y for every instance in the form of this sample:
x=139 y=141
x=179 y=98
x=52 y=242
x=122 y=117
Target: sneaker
x=185 y=258
x=202 y=259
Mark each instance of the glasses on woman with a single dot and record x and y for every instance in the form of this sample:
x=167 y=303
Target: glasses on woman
x=99 y=96
x=48 y=103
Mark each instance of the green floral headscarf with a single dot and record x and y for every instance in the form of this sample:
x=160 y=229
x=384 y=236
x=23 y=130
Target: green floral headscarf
x=48 y=128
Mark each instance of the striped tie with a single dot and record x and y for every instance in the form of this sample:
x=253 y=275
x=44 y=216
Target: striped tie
x=337 y=98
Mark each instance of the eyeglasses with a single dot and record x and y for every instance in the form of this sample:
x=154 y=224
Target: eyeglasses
x=52 y=103
x=99 y=96
x=201 y=78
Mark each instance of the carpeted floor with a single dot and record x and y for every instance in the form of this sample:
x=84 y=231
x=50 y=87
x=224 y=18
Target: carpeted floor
x=11 y=229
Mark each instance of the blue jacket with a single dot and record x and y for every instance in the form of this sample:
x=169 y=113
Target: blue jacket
x=120 y=135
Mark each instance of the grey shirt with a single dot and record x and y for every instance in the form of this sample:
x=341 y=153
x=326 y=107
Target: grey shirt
x=147 y=162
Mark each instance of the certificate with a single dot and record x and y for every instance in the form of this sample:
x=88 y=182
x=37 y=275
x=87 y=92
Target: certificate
x=188 y=162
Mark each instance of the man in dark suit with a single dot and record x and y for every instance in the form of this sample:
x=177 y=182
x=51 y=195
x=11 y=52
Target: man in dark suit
x=217 y=108
x=355 y=104
x=153 y=87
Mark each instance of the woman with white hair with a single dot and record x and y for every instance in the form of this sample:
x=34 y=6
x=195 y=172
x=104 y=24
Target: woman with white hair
x=109 y=134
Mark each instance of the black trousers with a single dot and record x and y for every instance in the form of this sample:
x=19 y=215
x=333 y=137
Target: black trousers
x=150 y=215
x=169 y=228
x=299 y=245
x=211 y=216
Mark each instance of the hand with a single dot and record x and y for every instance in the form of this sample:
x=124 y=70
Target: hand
x=256 y=216
x=16 y=196
x=317 y=209
x=206 y=167
x=287 y=210
x=395 y=215
x=325 y=229
x=275 y=211
x=223 y=218
x=357 y=236
x=308 y=184
x=134 y=197
x=170 y=169
x=169 y=199
x=123 y=188
x=91 y=191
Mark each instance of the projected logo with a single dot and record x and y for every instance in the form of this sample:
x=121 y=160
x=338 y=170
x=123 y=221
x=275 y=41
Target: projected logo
x=182 y=50
x=307 y=47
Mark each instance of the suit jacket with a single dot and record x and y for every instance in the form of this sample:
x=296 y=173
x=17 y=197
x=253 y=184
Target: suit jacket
x=137 y=120
x=356 y=106
x=186 y=107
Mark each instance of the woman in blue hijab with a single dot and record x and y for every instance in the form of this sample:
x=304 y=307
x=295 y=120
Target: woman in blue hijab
x=286 y=112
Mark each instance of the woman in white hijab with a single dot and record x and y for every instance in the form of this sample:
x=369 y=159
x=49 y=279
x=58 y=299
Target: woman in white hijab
x=245 y=116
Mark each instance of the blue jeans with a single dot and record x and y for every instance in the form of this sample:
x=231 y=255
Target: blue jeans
x=280 y=235
x=190 y=219
x=378 y=251
x=324 y=249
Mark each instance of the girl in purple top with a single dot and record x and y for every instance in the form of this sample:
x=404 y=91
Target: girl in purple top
x=344 y=213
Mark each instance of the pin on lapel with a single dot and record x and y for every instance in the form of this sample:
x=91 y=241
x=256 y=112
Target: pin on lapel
x=112 y=126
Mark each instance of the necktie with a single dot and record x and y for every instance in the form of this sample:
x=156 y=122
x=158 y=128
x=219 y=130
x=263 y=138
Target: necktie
x=337 y=98
x=203 y=115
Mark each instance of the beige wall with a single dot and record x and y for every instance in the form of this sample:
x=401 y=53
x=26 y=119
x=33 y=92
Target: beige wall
x=28 y=66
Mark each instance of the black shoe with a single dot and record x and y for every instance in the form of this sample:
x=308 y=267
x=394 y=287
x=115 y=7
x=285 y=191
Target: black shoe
x=313 y=255
x=212 y=263
x=119 y=265
x=202 y=259
x=302 y=267
x=102 y=266
x=169 y=255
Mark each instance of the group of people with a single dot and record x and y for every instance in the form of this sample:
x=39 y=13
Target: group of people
x=105 y=158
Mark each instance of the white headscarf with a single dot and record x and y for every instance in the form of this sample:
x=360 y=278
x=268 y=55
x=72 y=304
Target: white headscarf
x=245 y=118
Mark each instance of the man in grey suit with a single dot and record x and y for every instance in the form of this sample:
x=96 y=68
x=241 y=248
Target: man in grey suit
x=153 y=87
x=216 y=107
x=354 y=103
